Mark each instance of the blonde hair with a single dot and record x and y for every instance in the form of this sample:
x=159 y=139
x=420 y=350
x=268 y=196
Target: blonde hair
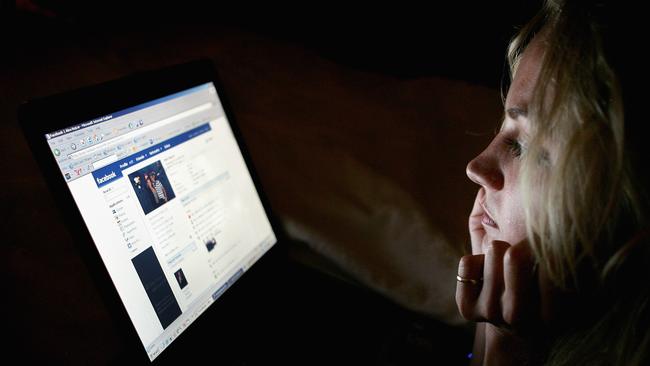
x=574 y=174
x=584 y=213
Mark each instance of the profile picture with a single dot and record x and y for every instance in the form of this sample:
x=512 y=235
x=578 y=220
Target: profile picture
x=151 y=186
x=180 y=278
x=210 y=244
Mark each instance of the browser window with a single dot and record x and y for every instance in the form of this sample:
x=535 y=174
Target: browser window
x=170 y=205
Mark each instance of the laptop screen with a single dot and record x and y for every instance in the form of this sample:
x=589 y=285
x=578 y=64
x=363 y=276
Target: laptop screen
x=170 y=204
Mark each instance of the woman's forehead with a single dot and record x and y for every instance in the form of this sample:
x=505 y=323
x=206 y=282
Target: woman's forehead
x=523 y=84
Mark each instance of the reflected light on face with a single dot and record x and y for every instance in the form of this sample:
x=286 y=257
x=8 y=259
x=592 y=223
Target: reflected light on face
x=496 y=169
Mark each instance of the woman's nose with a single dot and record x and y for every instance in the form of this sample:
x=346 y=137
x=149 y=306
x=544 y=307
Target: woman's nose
x=485 y=170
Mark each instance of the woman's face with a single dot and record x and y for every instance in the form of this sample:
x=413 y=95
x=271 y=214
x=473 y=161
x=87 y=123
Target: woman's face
x=498 y=213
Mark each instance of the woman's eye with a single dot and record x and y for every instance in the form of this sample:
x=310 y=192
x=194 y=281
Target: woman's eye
x=514 y=146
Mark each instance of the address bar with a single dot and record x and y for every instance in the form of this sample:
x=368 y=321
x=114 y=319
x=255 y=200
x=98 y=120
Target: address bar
x=163 y=122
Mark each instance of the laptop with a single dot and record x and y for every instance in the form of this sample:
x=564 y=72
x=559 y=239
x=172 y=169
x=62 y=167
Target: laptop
x=154 y=181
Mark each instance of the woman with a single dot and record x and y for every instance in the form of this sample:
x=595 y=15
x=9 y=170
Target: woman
x=559 y=228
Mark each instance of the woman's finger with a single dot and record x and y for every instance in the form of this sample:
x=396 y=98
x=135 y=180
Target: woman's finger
x=476 y=229
x=489 y=302
x=519 y=296
x=469 y=284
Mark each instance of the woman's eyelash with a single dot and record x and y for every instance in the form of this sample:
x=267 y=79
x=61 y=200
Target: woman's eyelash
x=514 y=146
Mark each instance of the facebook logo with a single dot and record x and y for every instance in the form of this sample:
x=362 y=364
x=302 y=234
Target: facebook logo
x=106 y=175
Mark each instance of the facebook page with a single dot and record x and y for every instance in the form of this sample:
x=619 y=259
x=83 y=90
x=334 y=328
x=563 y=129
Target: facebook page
x=170 y=205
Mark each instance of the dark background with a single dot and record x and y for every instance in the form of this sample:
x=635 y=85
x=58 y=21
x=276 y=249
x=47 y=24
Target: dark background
x=464 y=40
x=53 y=311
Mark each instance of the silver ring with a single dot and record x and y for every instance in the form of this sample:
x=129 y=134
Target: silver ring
x=468 y=280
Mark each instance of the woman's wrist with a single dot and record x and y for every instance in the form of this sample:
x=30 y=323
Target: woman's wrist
x=476 y=356
x=503 y=347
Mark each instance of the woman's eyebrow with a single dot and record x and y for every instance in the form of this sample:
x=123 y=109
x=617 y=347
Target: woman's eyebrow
x=516 y=112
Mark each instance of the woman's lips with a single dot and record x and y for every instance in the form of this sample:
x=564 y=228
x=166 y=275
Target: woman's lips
x=487 y=219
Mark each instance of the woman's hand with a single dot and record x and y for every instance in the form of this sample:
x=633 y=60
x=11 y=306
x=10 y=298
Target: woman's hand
x=507 y=298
